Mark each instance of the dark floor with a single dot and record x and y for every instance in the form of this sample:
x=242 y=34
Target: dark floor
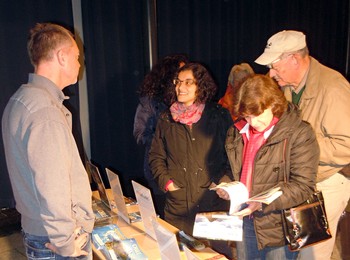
x=11 y=246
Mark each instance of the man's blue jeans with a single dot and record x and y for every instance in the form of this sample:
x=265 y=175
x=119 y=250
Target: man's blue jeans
x=248 y=248
x=35 y=249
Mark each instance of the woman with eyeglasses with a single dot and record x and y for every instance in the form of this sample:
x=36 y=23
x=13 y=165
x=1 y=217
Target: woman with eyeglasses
x=187 y=154
x=152 y=103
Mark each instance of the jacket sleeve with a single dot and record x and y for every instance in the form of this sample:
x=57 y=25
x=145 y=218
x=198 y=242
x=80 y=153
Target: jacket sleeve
x=226 y=175
x=158 y=158
x=334 y=140
x=228 y=171
x=143 y=122
x=301 y=163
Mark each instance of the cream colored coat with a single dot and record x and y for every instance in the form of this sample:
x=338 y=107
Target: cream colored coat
x=325 y=104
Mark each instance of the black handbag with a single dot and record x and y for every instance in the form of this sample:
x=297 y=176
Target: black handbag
x=306 y=224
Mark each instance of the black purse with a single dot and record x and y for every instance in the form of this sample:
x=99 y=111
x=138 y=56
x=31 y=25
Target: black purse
x=306 y=224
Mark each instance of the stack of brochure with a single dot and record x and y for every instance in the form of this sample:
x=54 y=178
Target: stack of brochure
x=114 y=245
x=103 y=215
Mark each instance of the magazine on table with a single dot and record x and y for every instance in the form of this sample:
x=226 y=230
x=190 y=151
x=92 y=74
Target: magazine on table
x=114 y=245
x=218 y=226
x=103 y=215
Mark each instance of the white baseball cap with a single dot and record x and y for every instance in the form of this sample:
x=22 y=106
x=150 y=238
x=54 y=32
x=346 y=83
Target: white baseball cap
x=282 y=42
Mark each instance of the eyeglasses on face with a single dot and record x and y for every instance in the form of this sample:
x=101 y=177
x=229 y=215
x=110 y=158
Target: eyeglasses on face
x=187 y=82
x=271 y=65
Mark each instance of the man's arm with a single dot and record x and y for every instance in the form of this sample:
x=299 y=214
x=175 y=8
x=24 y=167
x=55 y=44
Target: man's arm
x=50 y=159
x=346 y=171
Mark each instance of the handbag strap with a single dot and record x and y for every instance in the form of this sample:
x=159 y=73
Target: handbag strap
x=284 y=160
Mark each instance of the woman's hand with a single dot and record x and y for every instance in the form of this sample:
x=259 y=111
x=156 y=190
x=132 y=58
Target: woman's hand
x=252 y=206
x=223 y=194
x=173 y=187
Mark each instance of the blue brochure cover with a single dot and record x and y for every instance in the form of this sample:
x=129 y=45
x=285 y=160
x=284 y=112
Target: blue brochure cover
x=114 y=245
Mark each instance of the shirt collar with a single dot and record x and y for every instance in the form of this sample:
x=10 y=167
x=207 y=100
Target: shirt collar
x=303 y=82
x=48 y=85
x=245 y=130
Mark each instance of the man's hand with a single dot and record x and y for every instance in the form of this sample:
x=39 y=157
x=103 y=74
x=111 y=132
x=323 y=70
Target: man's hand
x=252 y=206
x=79 y=243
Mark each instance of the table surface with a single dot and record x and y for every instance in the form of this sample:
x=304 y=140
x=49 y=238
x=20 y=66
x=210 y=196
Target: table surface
x=147 y=244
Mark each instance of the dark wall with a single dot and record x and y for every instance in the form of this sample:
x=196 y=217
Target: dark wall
x=218 y=33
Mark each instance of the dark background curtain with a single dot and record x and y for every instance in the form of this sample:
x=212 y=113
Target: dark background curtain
x=222 y=33
x=115 y=52
x=218 y=33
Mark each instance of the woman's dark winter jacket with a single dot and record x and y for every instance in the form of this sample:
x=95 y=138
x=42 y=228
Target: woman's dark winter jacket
x=192 y=158
x=290 y=151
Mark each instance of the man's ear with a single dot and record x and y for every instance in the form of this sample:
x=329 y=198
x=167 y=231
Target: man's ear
x=296 y=58
x=61 y=57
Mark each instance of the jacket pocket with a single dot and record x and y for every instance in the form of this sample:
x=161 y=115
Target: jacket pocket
x=176 y=202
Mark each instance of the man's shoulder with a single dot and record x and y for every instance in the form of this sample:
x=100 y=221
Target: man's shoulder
x=32 y=98
x=326 y=74
x=30 y=104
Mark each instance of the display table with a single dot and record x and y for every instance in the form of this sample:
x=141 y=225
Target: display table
x=148 y=245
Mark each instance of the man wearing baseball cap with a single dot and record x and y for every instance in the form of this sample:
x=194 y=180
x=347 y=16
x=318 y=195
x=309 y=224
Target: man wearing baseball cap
x=323 y=96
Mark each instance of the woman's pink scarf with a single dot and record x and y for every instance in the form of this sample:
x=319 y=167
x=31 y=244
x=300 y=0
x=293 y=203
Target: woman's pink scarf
x=186 y=114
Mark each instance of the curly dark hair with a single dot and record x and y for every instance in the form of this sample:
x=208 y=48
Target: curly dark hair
x=160 y=78
x=206 y=86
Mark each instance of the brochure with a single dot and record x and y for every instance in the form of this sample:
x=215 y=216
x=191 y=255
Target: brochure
x=225 y=225
x=103 y=215
x=130 y=201
x=114 y=245
x=239 y=194
x=218 y=226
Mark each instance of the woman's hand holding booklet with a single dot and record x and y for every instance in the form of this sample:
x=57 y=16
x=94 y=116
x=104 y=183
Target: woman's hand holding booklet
x=238 y=194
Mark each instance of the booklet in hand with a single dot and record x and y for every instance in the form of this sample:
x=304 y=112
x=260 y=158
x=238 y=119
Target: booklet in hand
x=239 y=194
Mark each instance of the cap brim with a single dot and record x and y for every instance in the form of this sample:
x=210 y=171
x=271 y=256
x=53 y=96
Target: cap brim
x=267 y=58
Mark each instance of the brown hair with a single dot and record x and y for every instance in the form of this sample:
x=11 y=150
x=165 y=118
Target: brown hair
x=206 y=87
x=258 y=93
x=43 y=39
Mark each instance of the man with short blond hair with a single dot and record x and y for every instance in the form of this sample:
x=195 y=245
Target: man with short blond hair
x=49 y=181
